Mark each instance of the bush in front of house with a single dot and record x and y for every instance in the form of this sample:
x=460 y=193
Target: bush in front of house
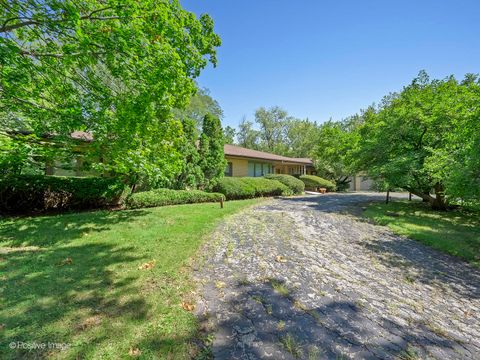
x=295 y=185
x=249 y=187
x=313 y=183
x=163 y=197
x=29 y=194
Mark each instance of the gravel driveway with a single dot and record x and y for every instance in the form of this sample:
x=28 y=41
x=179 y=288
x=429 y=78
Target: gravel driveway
x=304 y=278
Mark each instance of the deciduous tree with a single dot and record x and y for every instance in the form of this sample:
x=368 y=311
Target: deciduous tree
x=114 y=68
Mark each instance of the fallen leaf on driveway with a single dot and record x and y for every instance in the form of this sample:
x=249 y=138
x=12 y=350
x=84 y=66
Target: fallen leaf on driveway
x=187 y=306
x=280 y=259
x=147 y=266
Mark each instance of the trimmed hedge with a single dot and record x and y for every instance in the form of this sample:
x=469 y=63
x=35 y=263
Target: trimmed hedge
x=295 y=185
x=163 y=197
x=313 y=182
x=250 y=187
x=27 y=194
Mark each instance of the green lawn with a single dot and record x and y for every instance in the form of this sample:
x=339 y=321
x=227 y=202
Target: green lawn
x=77 y=279
x=454 y=232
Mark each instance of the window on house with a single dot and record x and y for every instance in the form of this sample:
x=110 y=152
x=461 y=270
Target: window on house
x=229 y=169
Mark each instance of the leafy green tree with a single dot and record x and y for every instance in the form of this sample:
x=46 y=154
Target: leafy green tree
x=247 y=136
x=211 y=150
x=278 y=133
x=199 y=105
x=424 y=139
x=333 y=151
x=301 y=138
x=272 y=124
x=114 y=68
x=229 y=134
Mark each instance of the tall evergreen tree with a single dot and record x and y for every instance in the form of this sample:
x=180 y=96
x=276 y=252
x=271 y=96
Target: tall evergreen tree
x=191 y=175
x=211 y=150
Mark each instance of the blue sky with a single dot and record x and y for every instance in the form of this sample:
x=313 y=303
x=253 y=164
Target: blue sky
x=329 y=59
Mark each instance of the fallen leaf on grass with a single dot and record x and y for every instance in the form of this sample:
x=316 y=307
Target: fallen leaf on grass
x=90 y=322
x=187 y=306
x=280 y=259
x=135 y=352
x=67 y=261
x=2 y=326
x=147 y=266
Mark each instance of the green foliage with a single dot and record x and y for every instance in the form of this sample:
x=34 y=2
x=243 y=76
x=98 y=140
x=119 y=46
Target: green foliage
x=313 y=182
x=29 y=154
x=163 y=197
x=248 y=137
x=425 y=139
x=191 y=175
x=200 y=104
x=116 y=69
x=229 y=134
x=247 y=187
x=333 y=150
x=21 y=194
x=272 y=123
x=211 y=150
x=301 y=138
x=295 y=185
x=276 y=132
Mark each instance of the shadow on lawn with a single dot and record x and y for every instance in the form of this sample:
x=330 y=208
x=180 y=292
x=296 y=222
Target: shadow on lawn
x=49 y=230
x=267 y=324
x=58 y=291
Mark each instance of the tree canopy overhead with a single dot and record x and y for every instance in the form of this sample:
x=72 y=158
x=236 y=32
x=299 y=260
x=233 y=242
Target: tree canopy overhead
x=115 y=68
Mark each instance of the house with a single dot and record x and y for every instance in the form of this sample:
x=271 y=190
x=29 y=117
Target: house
x=246 y=162
x=360 y=182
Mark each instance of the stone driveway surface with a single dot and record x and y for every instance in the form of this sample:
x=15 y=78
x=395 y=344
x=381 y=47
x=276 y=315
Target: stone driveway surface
x=304 y=278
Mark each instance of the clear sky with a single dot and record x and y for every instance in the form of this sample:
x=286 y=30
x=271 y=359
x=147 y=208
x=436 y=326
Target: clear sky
x=322 y=59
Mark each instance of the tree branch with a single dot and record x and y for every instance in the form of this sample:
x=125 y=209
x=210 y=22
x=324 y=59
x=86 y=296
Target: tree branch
x=29 y=22
x=32 y=53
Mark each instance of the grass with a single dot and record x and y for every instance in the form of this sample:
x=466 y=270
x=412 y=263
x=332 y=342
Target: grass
x=110 y=285
x=454 y=232
x=280 y=287
x=291 y=345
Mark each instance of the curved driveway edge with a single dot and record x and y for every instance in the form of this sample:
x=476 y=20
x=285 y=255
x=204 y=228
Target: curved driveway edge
x=301 y=278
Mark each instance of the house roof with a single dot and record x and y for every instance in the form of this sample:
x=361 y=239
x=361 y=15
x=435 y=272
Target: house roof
x=82 y=135
x=233 y=150
x=76 y=135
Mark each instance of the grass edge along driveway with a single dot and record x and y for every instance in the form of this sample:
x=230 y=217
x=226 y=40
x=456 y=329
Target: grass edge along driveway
x=103 y=284
x=453 y=232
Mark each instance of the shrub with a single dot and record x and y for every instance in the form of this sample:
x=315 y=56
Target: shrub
x=23 y=194
x=249 y=187
x=295 y=185
x=163 y=197
x=313 y=182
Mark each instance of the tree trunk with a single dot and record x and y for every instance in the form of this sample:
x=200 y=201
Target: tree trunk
x=438 y=202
